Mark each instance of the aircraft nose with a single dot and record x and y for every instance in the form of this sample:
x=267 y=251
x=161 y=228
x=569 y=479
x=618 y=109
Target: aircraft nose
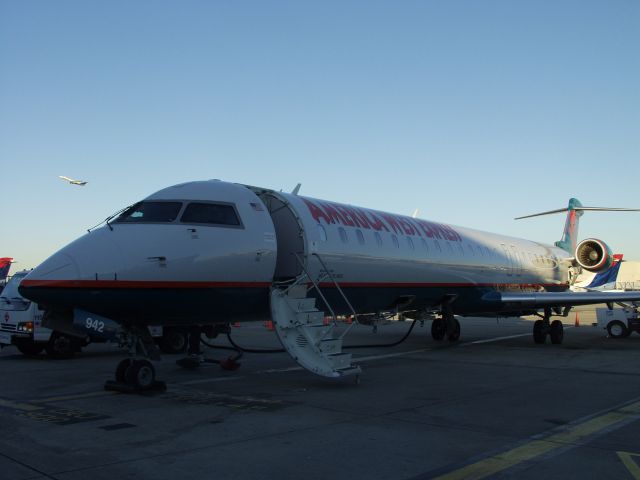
x=66 y=278
x=58 y=269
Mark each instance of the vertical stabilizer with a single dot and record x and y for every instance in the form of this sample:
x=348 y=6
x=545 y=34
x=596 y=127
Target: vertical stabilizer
x=574 y=212
x=569 y=238
x=5 y=265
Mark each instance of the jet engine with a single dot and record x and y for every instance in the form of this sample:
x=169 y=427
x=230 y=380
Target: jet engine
x=594 y=255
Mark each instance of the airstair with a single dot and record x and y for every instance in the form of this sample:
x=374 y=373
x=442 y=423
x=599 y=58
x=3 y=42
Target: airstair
x=302 y=329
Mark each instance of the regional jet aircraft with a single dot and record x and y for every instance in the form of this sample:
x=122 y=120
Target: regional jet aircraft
x=212 y=252
x=72 y=181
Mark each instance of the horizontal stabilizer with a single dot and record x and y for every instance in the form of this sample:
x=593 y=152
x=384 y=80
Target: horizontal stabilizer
x=581 y=209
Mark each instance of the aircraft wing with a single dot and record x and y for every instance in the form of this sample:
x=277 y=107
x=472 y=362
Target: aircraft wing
x=516 y=301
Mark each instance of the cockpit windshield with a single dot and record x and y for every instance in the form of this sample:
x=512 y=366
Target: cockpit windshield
x=150 y=212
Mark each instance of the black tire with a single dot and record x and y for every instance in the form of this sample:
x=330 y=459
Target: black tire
x=141 y=375
x=173 y=341
x=556 y=332
x=61 y=346
x=30 y=349
x=455 y=335
x=121 y=369
x=617 y=329
x=438 y=329
x=539 y=335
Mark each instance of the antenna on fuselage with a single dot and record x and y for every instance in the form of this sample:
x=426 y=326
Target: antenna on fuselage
x=296 y=190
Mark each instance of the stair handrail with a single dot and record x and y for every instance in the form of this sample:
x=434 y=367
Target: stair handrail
x=335 y=282
x=315 y=285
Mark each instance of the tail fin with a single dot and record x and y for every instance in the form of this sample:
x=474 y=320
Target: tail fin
x=5 y=265
x=569 y=238
x=608 y=276
x=574 y=211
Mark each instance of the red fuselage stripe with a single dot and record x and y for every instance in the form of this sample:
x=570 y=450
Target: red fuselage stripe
x=139 y=284
x=132 y=284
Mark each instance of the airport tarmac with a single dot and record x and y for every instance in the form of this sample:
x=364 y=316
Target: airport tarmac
x=495 y=405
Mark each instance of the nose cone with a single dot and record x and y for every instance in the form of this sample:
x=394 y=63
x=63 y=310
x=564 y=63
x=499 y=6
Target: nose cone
x=59 y=281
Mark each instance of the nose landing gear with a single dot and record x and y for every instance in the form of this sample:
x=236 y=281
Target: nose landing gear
x=135 y=374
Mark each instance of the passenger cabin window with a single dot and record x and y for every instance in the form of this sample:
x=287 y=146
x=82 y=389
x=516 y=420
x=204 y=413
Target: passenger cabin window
x=343 y=235
x=150 y=212
x=378 y=239
x=322 y=232
x=211 y=213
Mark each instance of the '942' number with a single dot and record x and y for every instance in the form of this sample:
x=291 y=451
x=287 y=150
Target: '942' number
x=96 y=325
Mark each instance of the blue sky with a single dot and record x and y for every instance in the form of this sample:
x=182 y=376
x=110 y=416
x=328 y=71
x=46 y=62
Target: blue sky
x=474 y=112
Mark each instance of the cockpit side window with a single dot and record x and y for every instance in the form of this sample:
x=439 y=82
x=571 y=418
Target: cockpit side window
x=150 y=212
x=212 y=214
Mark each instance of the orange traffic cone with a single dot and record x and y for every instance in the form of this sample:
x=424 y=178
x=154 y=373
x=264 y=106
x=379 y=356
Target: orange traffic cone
x=577 y=324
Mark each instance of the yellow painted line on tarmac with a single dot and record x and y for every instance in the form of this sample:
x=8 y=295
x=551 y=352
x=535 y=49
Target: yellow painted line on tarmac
x=631 y=465
x=26 y=407
x=535 y=448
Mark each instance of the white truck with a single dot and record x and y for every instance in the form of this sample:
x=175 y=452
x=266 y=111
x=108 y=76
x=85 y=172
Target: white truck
x=619 y=322
x=21 y=325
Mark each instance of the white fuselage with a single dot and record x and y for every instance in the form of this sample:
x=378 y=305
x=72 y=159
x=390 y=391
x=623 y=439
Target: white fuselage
x=214 y=249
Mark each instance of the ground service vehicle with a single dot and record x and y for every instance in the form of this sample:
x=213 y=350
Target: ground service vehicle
x=21 y=325
x=619 y=322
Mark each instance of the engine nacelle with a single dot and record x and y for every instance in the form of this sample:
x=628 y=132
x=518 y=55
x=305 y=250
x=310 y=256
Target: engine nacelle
x=594 y=255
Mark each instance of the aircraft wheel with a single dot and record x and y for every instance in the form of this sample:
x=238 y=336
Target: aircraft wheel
x=455 y=335
x=173 y=341
x=140 y=374
x=539 y=335
x=60 y=346
x=438 y=329
x=556 y=333
x=121 y=369
x=30 y=348
x=617 y=329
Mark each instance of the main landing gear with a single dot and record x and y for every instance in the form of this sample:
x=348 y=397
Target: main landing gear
x=195 y=357
x=447 y=326
x=544 y=327
x=136 y=373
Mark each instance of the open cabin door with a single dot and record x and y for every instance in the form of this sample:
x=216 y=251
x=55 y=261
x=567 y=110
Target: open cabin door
x=289 y=235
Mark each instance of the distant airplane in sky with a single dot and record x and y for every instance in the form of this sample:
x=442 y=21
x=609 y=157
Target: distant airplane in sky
x=72 y=181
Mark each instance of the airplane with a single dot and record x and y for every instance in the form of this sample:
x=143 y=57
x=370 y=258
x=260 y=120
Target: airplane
x=214 y=252
x=5 y=265
x=72 y=181
x=603 y=280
